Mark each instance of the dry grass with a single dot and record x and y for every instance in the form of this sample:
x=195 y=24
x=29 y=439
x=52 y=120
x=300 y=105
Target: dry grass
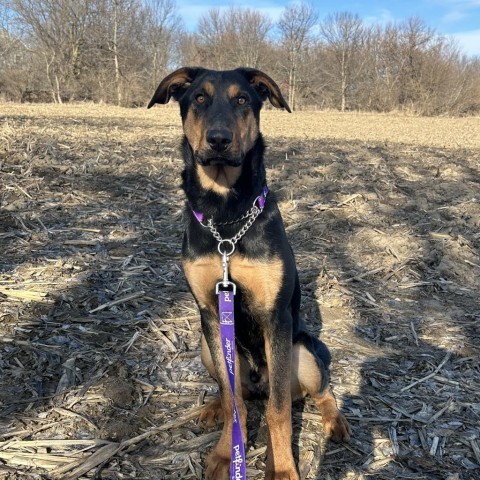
x=99 y=349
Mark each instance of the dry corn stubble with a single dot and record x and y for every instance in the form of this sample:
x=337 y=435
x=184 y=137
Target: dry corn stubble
x=99 y=350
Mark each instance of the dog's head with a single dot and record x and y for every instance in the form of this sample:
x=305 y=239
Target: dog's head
x=220 y=110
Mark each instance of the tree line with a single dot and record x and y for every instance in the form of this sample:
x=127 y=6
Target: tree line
x=116 y=51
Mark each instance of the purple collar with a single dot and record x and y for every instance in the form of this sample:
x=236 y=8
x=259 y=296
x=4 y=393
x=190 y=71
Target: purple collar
x=259 y=203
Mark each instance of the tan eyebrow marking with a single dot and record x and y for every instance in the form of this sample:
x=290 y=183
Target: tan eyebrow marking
x=209 y=88
x=233 y=90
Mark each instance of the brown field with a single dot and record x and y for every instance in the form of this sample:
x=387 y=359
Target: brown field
x=100 y=375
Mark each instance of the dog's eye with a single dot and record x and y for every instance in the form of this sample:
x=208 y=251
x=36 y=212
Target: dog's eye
x=200 y=98
x=242 y=100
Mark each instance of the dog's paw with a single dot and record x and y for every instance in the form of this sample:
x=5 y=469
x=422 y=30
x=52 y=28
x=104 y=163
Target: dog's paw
x=335 y=424
x=337 y=428
x=217 y=466
x=212 y=413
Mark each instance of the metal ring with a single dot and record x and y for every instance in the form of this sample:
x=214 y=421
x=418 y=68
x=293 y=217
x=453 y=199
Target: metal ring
x=232 y=245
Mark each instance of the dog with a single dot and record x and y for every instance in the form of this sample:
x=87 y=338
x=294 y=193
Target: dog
x=223 y=179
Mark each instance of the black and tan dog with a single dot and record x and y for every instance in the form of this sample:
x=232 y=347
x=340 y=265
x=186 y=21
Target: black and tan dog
x=224 y=174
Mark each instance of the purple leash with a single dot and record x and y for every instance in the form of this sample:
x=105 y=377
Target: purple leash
x=238 y=469
x=226 y=291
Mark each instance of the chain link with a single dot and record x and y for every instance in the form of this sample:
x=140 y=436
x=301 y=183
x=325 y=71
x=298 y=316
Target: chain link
x=247 y=214
x=252 y=215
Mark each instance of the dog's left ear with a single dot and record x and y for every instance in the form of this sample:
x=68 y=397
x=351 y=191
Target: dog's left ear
x=266 y=87
x=174 y=85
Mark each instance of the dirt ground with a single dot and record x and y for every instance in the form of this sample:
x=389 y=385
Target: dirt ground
x=100 y=375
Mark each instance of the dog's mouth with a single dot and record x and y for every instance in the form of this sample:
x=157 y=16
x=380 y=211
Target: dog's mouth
x=219 y=161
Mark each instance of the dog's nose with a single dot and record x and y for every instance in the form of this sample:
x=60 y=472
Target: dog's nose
x=219 y=139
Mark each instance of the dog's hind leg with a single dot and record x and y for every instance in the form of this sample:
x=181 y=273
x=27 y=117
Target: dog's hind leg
x=310 y=377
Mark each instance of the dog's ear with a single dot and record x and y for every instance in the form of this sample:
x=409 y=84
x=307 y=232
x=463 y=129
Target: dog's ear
x=266 y=87
x=174 y=85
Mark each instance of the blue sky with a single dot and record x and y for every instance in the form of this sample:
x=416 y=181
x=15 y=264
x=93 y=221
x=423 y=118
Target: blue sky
x=458 y=18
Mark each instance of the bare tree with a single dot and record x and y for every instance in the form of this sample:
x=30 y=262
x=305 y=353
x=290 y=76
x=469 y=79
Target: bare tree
x=120 y=46
x=7 y=40
x=238 y=36
x=121 y=18
x=385 y=64
x=163 y=26
x=247 y=31
x=13 y=56
x=114 y=43
x=58 y=28
x=212 y=39
x=295 y=25
x=415 y=37
x=344 y=36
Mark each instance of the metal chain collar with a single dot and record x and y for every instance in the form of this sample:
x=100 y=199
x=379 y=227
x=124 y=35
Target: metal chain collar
x=252 y=215
x=247 y=214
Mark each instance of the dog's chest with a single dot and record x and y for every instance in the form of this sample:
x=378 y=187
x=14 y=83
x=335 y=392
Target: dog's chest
x=259 y=280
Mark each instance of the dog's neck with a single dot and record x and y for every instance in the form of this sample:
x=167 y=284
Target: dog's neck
x=232 y=189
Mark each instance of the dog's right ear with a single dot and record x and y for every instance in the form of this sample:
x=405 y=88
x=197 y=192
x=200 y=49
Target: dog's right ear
x=174 y=85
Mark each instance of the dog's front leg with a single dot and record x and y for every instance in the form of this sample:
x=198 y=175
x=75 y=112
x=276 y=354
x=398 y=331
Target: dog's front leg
x=218 y=461
x=278 y=349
